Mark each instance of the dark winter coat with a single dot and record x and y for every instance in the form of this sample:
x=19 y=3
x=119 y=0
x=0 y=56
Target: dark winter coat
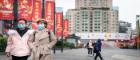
x=97 y=47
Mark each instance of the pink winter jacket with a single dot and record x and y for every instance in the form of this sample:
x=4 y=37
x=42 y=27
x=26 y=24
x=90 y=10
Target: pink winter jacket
x=16 y=44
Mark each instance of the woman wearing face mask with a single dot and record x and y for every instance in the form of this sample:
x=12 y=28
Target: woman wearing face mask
x=17 y=46
x=41 y=42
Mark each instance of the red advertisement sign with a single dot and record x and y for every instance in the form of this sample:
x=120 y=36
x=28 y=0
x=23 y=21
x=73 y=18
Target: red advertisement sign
x=36 y=10
x=34 y=25
x=6 y=10
x=49 y=13
x=25 y=8
x=50 y=0
x=66 y=23
x=59 y=17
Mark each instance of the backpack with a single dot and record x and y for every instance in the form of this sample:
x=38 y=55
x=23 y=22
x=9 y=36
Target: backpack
x=98 y=47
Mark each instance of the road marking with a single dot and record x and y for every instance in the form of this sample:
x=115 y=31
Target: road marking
x=125 y=57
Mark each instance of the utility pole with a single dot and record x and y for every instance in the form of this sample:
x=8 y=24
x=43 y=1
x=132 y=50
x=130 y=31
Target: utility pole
x=62 y=33
x=43 y=9
x=15 y=12
x=54 y=50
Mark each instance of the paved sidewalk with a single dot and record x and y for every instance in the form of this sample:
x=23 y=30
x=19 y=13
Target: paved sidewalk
x=108 y=53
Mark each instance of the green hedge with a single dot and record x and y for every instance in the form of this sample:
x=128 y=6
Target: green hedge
x=65 y=44
x=3 y=41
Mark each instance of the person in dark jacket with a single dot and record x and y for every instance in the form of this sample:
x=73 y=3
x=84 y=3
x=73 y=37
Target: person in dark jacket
x=97 y=49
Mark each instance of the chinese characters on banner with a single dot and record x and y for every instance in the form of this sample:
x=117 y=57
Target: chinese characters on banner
x=49 y=13
x=36 y=10
x=25 y=9
x=66 y=23
x=34 y=25
x=6 y=10
x=59 y=21
x=59 y=18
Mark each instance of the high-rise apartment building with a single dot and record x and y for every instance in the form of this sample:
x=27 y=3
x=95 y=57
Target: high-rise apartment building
x=93 y=4
x=93 y=16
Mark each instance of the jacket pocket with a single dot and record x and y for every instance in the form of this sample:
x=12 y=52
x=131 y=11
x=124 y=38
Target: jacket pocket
x=46 y=50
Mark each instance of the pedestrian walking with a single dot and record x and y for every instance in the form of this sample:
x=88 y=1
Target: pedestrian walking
x=97 y=49
x=90 y=46
x=41 y=42
x=17 y=46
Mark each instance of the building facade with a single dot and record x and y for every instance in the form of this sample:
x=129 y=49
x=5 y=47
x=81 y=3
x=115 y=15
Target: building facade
x=125 y=27
x=89 y=17
x=93 y=4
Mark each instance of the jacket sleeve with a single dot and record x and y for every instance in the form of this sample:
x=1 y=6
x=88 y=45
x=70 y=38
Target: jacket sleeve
x=52 y=41
x=31 y=40
x=87 y=45
x=9 y=44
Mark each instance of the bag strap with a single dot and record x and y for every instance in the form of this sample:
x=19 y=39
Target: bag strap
x=48 y=33
x=34 y=36
x=49 y=36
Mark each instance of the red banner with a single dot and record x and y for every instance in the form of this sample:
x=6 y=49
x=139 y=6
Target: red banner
x=36 y=10
x=50 y=0
x=66 y=25
x=6 y=10
x=49 y=14
x=59 y=17
x=34 y=25
x=25 y=8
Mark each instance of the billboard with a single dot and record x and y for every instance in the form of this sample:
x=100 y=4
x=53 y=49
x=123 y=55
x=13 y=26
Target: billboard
x=66 y=24
x=25 y=8
x=49 y=13
x=34 y=25
x=105 y=36
x=50 y=0
x=6 y=10
x=59 y=22
x=37 y=9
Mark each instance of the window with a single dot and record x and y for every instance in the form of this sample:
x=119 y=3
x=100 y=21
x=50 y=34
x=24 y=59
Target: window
x=77 y=31
x=95 y=24
x=97 y=13
x=90 y=24
x=77 y=24
x=95 y=30
x=77 y=21
x=90 y=30
x=90 y=18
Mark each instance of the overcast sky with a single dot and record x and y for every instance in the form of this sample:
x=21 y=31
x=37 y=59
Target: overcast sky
x=128 y=9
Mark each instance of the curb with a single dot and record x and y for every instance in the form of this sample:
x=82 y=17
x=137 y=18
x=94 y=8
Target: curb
x=2 y=53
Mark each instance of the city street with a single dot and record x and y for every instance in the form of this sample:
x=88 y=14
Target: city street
x=39 y=25
x=109 y=52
